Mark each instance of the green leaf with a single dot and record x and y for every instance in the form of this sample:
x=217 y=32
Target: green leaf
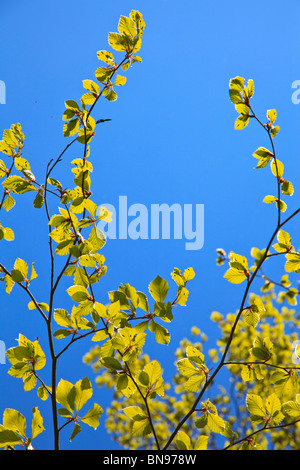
x=42 y=305
x=272 y=115
x=123 y=382
x=154 y=372
x=250 y=372
x=292 y=408
x=275 y=130
x=111 y=363
x=80 y=277
x=64 y=413
x=143 y=301
x=103 y=74
x=264 y=155
x=126 y=26
x=68 y=115
x=238 y=271
x=195 y=374
x=88 y=261
x=65 y=395
x=183 y=441
x=201 y=443
x=8 y=203
x=125 y=66
x=17 y=276
x=135 y=413
x=279 y=203
x=251 y=315
x=22 y=357
x=62 y=333
x=71 y=127
x=284 y=238
x=262 y=348
x=144 y=379
x=92 y=416
x=238 y=261
x=112 y=95
x=9 y=283
x=76 y=430
x=42 y=393
x=125 y=385
x=241 y=122
x=141 y=327
x=163 y=311
x=194 y=382
x=6 y=148
x=178 y=277
x=63 y=318
x=242 y=109
x=91 y=86
x=9 y=438
x=158 y=288
x=8 y=234
x=235 y=276
x=10 y=138
x=78 y=293
x=22 y=164
x=33 y=274
x=117 y=41
x=141 y=428
x=187 y=368
x=38 y=201
x=37 y=423
x=237 y=83
x=21 y=266
x=85 y=307
x=72 y=105
x=162 y=335
x=215 y=423
x=273 y=405
x=255 y=405
x=250 y=86
x=3 y=169
x=84 y=392
x=101 y=310
x=201 y=422
x=97 y=239
x=284 y=244
x=285 y=383
x=131 y=294
x=287 y=188
x=293 y=262
x=29 y=381
x=235 y=96
x=189 y=274
x=55 y=183
x=182 y=295
x=119 y=81
x=106 y=57
x=277 y=168
x=14 y=421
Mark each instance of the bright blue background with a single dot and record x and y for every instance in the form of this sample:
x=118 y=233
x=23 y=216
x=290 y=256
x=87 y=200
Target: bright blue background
x=171 y=139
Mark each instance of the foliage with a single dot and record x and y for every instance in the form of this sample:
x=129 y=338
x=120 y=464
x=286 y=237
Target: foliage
x=255 y=351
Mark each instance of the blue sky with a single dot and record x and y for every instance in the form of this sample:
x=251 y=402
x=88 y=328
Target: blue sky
x=171 y=140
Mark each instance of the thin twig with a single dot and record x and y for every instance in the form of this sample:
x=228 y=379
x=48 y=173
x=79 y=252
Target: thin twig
x=265 y=428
